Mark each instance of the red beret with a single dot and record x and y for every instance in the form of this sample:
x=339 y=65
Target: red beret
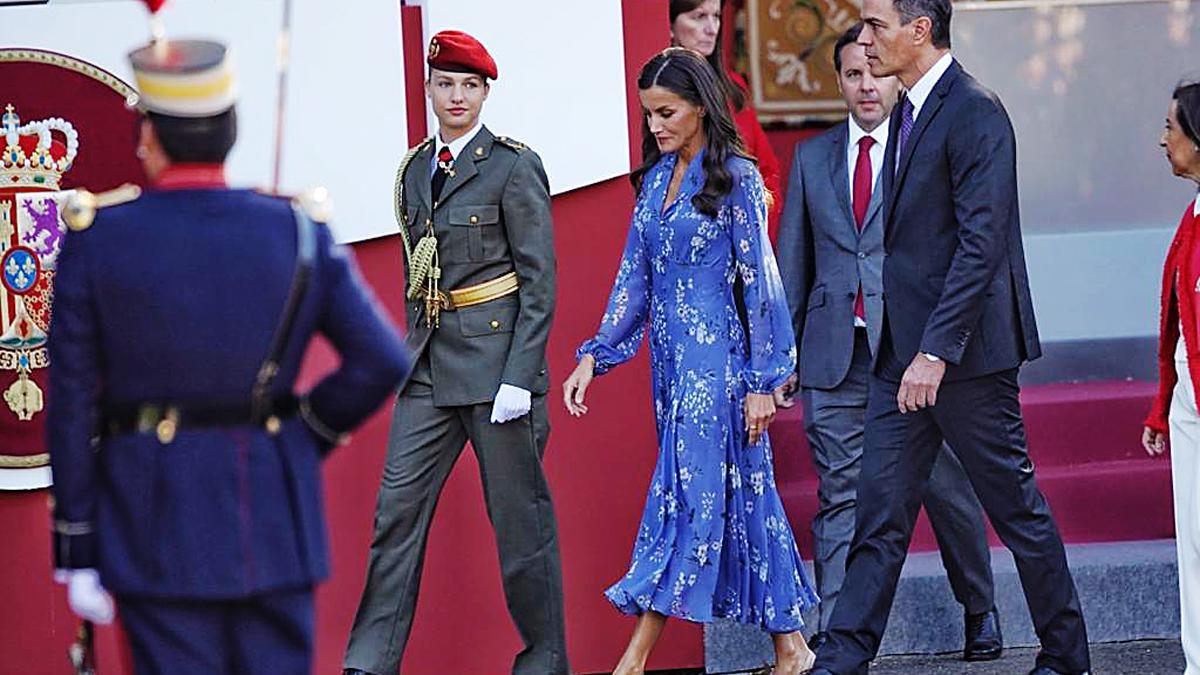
x=457 y=52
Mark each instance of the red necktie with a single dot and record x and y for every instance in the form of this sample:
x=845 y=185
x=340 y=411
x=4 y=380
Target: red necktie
x=445 y=166
x=863 y=181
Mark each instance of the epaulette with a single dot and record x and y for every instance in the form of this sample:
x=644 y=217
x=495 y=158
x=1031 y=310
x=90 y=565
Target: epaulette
x=512 y=143
x=80 y=209
x=316 y=203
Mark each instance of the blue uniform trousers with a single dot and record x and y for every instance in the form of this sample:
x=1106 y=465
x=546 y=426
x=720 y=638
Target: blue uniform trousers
x=269 y=633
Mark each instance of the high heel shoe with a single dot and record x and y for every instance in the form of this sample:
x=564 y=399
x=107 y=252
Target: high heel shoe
x=809 y=662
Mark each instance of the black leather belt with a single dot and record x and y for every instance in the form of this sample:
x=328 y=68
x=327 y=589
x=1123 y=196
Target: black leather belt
x=167 y=419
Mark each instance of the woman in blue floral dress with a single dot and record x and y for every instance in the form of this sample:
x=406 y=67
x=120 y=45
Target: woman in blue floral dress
x=714 y=540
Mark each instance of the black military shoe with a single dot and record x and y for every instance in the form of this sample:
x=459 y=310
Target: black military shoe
x=818 y=640
x=983 y=639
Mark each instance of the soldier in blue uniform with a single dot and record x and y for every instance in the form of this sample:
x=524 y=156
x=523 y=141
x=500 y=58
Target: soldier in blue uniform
x=187 y=472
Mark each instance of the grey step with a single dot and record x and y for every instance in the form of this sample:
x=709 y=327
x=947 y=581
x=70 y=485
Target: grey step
x=1128 y=590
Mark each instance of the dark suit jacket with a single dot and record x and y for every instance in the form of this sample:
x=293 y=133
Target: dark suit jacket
x=493 y=218
x=954 y=278
x=174 y=298
x=823 y=258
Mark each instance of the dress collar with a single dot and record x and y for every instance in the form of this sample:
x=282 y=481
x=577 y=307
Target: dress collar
x=880 y=133
x=693 y=179
x=191 y=177
x=457 y=145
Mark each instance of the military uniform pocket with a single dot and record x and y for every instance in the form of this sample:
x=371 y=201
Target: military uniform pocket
x=475 y=218
x=497 y=316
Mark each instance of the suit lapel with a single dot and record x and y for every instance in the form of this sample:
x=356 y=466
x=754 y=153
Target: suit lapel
x=877 y=199
x=888 y=171
x=928 y=111
x=464 y=165
x=839 y=174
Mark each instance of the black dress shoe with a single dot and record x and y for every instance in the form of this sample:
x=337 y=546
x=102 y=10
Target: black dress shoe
x=983 y=640
x=354 y=671
x=1047 y=670
x=818 y=640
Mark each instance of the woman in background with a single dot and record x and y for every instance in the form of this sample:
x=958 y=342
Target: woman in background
x=696 y=25
x=714 y=541
x=1174 y=411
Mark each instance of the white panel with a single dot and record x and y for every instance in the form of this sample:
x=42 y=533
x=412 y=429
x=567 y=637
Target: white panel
x=346 y=127
x=347 y=68
x=561 y=88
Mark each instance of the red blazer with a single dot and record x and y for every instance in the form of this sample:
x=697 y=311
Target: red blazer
x=1177 y=308
x=759 y=147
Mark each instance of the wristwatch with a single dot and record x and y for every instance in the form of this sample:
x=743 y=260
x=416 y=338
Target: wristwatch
x=931 y=358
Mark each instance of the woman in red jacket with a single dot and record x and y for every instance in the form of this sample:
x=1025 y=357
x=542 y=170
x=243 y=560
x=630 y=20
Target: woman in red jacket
x=696 y=24
x=1174 y=410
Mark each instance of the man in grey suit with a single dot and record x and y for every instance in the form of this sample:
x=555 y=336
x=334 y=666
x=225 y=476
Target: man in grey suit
x=831 y=257
x=477 y=232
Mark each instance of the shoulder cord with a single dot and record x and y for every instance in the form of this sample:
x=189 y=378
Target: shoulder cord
x=421 y=259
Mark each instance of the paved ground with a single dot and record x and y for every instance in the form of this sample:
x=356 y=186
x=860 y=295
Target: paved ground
x=1147 y=657
x=1150 y=657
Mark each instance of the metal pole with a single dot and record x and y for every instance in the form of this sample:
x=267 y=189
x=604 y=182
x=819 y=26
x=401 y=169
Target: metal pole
x=284 y=46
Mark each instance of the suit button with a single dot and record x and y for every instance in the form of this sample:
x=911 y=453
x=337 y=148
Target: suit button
x=495 y=325
x=474 y=220
x=861 y=255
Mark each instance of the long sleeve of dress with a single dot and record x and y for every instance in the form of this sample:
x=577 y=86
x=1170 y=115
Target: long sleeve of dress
x=624 y=321
x=772 y=345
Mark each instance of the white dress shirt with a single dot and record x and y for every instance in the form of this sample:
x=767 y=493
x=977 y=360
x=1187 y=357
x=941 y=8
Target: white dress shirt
x=924 y=86
x=456 y=146
x=880 y=134
x=1196 y=206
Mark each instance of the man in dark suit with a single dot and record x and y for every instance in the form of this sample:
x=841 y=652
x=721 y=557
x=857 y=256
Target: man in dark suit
x=479 y=251
x=958 y=323
x=186 y=471
x=831 y=258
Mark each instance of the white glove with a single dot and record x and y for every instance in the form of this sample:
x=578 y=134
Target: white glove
x=511 y=403
x=86 y=596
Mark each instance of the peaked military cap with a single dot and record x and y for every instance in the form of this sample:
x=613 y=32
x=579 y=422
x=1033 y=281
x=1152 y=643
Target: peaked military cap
x=184 y=78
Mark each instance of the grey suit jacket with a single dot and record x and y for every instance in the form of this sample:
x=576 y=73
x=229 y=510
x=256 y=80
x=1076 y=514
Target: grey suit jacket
x=493 y=218
x=823 y=258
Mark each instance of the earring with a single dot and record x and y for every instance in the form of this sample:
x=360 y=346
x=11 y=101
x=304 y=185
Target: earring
x=141 y=152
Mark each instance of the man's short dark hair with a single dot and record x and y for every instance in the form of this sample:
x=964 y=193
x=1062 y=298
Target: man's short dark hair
x=198 y=140
x=848 y=38
x=938 y=12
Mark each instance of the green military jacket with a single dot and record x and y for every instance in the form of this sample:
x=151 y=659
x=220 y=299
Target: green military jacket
x=493 y=218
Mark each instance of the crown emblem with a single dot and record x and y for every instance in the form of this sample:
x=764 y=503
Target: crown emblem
x=33 y=157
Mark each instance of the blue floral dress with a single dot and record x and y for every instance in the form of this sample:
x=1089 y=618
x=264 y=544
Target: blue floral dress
x=714 y=540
